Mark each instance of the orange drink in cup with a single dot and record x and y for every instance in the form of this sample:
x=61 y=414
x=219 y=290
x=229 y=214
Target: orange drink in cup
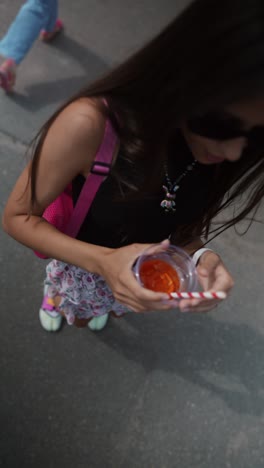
x=166 y=270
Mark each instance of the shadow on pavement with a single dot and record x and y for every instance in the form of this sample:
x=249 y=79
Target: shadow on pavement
x=39 y=95
x=218 y=357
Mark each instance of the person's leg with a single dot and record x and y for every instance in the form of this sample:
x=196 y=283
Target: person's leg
x=31 y=18
x=53 y=26
x=8 y=75
x=50 y=23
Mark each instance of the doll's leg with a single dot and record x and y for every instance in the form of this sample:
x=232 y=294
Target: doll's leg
x=98 y=323
x=95 y=323
x=53 y=323
x=50 y=318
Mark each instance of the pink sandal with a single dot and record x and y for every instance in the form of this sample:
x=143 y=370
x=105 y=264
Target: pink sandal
x=47 y=36
x=8 y=75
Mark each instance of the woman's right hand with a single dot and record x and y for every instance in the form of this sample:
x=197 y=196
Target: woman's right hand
x=116 y=268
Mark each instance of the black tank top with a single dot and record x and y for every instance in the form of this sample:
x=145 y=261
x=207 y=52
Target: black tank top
x=112 y=222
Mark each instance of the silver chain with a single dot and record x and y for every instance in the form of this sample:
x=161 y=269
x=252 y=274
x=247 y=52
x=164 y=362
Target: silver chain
x=170 y=189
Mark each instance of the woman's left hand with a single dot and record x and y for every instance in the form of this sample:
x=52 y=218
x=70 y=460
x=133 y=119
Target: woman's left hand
x=213 y=276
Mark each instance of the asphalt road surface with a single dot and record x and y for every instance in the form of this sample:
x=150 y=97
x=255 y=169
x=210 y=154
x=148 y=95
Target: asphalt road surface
x=159 y=390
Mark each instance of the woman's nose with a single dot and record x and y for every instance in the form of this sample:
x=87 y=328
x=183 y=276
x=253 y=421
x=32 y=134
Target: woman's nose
x=233 y=149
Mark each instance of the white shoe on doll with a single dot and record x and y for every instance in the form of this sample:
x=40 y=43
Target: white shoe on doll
x=50 y=324
x=50 y=319
x=98 y=323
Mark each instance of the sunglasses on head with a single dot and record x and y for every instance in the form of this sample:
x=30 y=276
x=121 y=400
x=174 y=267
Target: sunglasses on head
x=223 y=126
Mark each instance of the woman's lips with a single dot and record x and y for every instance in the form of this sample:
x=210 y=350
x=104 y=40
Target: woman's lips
x=214 y=159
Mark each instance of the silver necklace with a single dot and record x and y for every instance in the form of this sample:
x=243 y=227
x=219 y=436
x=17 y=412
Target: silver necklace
x=170 y=189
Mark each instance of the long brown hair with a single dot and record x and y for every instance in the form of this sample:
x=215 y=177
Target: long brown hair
x=210 y=56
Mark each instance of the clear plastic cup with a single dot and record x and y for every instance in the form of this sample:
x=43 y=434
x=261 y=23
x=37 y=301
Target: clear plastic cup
x=166 y=270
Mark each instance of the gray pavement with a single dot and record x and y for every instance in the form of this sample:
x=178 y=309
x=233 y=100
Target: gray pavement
x=151 y=391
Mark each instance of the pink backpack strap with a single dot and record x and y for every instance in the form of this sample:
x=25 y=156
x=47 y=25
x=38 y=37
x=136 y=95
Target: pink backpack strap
x=99 y=171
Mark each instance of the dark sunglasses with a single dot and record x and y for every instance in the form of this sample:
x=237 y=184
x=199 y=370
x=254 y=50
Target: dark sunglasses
x=223 y=126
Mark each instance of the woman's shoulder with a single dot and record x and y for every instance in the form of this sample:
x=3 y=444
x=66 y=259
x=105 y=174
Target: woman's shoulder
x=78 y=130
x=83 y=119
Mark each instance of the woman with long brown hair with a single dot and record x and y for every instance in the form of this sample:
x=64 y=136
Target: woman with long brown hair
x=188 y=113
